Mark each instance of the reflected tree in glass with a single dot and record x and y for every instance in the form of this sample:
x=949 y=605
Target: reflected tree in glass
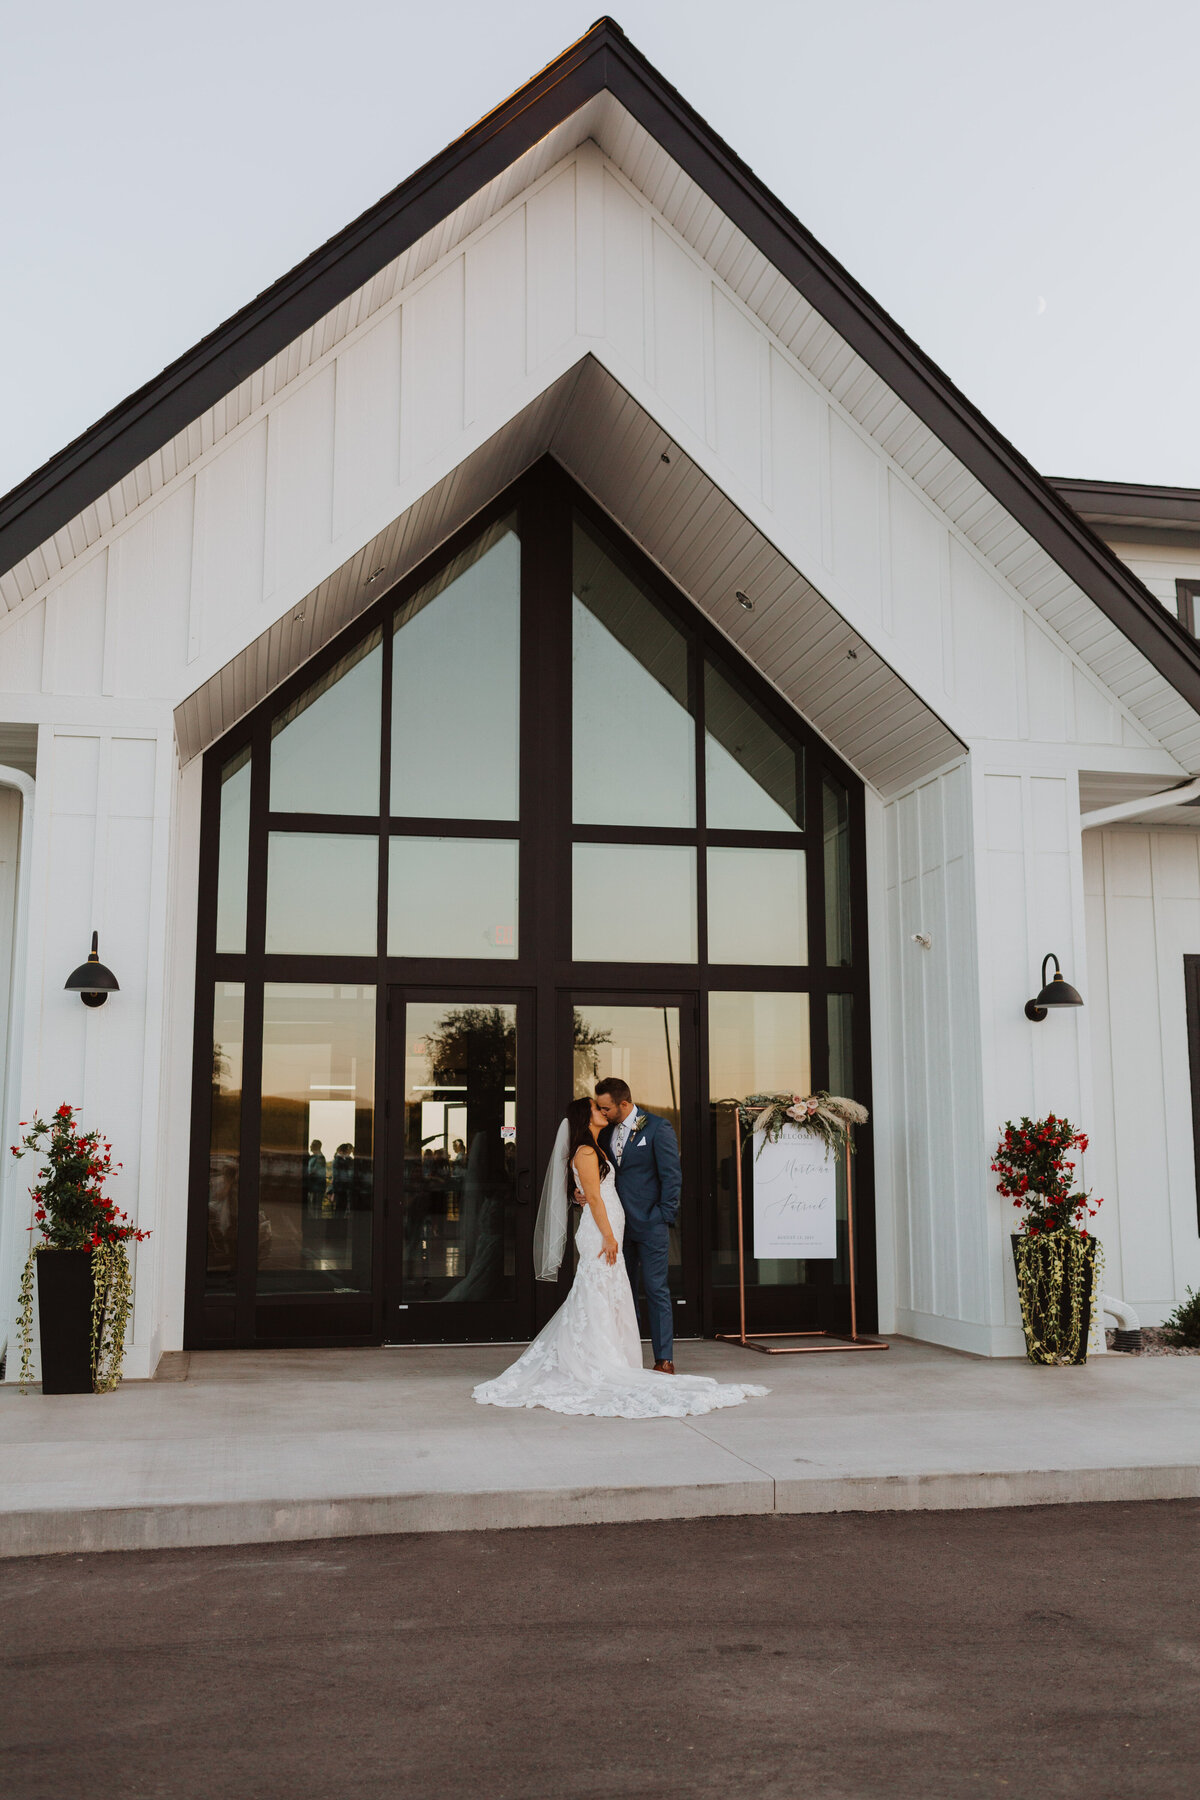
x=460 y=1153
x=317 y=1138
x=225 y=1136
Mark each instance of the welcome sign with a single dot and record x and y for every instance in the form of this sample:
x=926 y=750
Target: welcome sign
x=795 y=1197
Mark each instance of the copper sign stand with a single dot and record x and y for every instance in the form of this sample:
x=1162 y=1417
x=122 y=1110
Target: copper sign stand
x=831 y=1340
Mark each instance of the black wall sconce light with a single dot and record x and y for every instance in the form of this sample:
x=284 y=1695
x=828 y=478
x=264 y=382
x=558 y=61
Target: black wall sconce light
x=1054 y=993
x=92 y=981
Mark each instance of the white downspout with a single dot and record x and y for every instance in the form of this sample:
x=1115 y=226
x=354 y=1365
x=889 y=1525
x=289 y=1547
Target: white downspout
x=1129 y=1326
x=10 y=1101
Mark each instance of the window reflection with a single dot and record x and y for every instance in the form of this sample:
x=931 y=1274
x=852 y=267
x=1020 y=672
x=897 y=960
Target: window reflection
x=633 y=736
x=753 y=773
x=634 y=903
x=233 y=854
x=452 y=897
x=225 y=1136
x=460 y=1152
x=322 y=894
x=325 y=745
x=456 y=687
x=757 y=907
x=836 y=810
x=316 y=1169
x=841 y=1045
x=757 y=1044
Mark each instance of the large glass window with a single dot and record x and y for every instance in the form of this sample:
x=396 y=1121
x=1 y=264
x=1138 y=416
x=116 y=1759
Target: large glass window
x=836 y=822
x=754 y=774
x=633 y=736
x=634 y=824
x=757 y=907
x=460 y=1152
x=453 y=897
x=456 y=687
x=233 y=854
x=757 y=1044
x=634 y=903
x=225 y=1136
x=316 y=1165
x=325 y=745
x=322 y=894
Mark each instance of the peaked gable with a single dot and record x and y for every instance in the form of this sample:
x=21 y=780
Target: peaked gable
x=441 y=201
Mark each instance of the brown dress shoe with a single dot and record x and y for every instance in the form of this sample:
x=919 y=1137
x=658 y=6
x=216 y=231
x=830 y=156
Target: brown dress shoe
x=664 y=1368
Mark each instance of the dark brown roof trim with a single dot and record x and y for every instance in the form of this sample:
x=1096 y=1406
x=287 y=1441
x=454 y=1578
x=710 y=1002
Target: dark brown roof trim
x=1131 y=503
x=603 y=58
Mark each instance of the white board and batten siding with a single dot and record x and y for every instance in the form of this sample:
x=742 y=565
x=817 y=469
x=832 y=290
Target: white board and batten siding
x=99 y=861
x=1143 y=909
x=581 y=264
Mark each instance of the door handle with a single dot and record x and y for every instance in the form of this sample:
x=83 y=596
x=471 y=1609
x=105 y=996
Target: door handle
x=523 y=1187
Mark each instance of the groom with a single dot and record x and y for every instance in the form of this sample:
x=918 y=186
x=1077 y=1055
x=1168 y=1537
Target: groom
x=645 y=1159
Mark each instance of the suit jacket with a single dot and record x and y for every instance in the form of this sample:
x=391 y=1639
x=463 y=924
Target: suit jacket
x=649 y=1178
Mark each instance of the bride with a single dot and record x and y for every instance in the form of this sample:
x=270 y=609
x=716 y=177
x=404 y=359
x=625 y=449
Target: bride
x=588 y=1359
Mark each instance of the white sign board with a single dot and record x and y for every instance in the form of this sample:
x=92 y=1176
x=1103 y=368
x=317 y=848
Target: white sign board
x=795 y=1196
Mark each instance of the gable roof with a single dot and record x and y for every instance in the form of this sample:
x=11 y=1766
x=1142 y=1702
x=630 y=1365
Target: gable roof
x=603 y=60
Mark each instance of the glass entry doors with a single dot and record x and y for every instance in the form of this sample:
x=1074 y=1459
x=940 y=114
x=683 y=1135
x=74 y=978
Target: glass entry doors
x=650 y=1042
x=459 y=1219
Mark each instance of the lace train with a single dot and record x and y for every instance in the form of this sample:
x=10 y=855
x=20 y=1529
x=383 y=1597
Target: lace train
x=588 y=1359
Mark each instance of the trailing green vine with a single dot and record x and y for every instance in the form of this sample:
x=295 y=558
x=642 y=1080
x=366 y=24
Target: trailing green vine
x=112 y=1303
x=1058 y=1280
x=25 y=1317
x=72 y=1212
x=1058 y=1261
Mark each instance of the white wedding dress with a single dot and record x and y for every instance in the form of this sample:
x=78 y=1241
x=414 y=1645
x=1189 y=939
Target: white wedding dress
x=588 y=1359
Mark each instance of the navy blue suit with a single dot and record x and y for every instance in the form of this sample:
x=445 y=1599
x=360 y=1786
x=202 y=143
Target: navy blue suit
x=649 y=1183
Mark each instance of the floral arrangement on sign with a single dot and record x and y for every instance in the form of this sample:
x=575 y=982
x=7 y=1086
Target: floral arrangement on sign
x=825 y=1116
x=72 y=1212
x=1057 y=1258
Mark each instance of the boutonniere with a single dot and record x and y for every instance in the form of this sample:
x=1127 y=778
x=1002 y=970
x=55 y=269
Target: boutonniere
x=639 y=1124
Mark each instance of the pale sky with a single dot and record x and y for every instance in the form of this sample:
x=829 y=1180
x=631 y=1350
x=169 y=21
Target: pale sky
x=1014 y=180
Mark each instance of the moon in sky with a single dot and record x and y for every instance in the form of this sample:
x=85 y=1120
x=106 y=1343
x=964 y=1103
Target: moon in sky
x=1041 y=305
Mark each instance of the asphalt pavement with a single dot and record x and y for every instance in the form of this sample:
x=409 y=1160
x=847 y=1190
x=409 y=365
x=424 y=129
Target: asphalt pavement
x=1032 y=1652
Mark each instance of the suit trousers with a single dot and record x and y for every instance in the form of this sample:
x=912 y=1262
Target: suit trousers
x=651 y=1254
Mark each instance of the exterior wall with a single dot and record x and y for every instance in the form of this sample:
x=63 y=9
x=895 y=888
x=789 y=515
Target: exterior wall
x=1143 y=918
x=1160 y=566
x=928 y=1100
x=98 y=862
x=578 y=264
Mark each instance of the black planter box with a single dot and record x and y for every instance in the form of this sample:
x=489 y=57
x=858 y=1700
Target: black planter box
x=1064 y=1304
x=64 y=1289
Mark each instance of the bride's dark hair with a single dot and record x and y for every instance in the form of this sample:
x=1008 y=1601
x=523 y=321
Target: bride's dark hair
x=579 y=1133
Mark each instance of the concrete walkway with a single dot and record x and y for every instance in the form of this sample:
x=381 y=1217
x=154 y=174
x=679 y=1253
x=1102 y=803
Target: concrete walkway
x=253 y=1446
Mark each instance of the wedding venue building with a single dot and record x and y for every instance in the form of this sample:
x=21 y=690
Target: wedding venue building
x=565 y=628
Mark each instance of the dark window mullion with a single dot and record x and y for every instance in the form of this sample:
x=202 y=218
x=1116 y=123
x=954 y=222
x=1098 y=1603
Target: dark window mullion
x=815 y=869
x=343 y=824
x=696 y=674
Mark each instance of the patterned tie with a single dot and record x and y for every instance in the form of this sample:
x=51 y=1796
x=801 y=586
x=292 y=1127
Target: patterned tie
x=620 y=1146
